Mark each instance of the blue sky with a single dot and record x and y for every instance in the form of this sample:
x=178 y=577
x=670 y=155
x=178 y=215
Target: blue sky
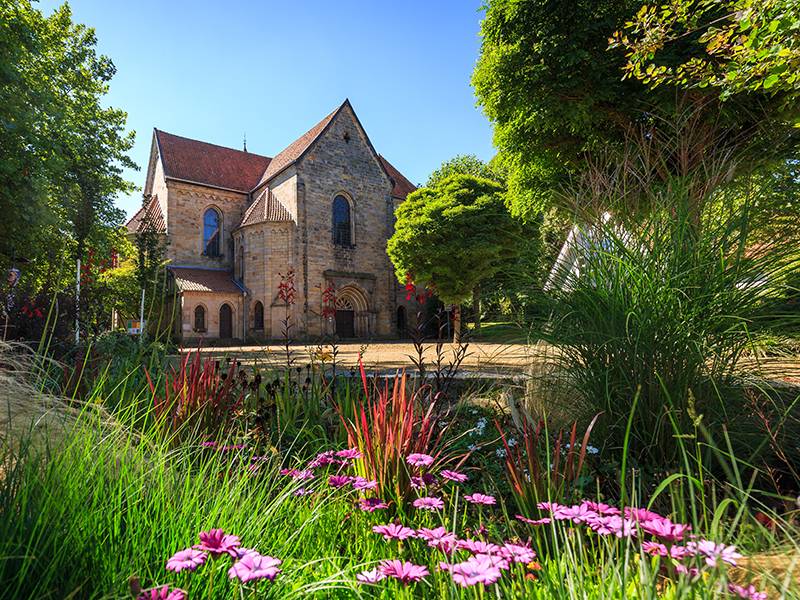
x=217 y=70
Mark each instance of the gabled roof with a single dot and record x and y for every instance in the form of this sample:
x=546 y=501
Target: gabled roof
x=209 y=164
x=149 y=216
x=194 y=279
x=267 y=208
x=402 y=187
x=295 y=150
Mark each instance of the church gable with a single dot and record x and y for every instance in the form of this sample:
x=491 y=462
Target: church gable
x=344 y=146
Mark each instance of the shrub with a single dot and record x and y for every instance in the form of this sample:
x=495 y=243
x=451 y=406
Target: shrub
x=653 y=326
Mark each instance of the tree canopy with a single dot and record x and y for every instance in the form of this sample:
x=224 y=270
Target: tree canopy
x=453 y=235
x=465 y=164
x=749 y=46
x=556 y=92
x=63 y=150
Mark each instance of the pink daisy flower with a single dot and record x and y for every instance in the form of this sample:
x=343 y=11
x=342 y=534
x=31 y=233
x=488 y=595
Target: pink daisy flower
x=394 y=531
x=473 y=571
x=454 y=476
x=420 y=460
x=600 y=508
x=288 y=472
x=208 y=444
x=254 y=566
x=519 y=553
x=403 y=571
x=363 y=484
x=217 y=542
x=322 y=459
x=666 y=529
x=749 y=593
x=349 y=454
x=550 y=506
x=371 y=504
x=478 y=547
x=439 y=538
x=477 y=498
x=578 y=514
x=371 y=576
x=303 y=475
x=641 y=514
x=713 y=552
x=186 y=560
x=302 y=492
x=654 y=549
x=428 y=503
x=162 y=593
x=337 y=481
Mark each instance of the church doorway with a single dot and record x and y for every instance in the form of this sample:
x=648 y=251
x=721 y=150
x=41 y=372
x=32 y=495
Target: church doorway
x=345 y=323
x=225 y=322
x=401 y=321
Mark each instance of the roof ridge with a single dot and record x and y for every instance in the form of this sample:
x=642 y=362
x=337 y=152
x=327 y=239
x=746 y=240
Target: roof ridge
x=298 y=147
x=188 y=139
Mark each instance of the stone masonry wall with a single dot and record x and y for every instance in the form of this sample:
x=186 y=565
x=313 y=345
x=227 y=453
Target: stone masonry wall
x=186 y=205
x=268 y=252
x=341 y=162
x=212 y=304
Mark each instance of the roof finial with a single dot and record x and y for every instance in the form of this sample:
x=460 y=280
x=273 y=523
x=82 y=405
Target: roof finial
x=245 y=141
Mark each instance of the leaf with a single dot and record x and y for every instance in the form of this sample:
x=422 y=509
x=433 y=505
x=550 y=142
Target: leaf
x=770 y=81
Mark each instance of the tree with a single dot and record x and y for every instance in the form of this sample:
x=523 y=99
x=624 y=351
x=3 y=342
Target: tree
x=555 y=92
x=63 y=150
x=465 y=164
x=453 y=235
x=748 y=46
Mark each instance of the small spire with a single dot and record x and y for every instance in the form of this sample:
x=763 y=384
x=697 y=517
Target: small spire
x=245 y=142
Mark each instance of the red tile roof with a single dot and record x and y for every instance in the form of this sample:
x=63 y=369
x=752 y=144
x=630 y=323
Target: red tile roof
x=149 y=215
x=217 y=166
x=295 y=150
x=266 y=208
x=209 y=164
x=402 y=186
x=191 y=279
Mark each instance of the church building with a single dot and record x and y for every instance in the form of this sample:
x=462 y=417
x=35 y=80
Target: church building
x=253 y=240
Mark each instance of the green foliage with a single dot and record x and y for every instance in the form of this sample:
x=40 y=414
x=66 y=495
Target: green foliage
x=655 y=324
x=63 y=150
x=465 y=164
x=746 y=46
x=555 y=93
x=453 y=236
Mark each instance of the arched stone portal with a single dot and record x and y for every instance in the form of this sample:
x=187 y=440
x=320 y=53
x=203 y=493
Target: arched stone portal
x=353 y=318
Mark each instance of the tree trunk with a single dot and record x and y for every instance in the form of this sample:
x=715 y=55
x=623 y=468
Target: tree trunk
x=456 y=323
x=476 y=307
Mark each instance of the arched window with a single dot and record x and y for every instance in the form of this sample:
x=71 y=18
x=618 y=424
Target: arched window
x=199 y=318
x=258 y=316
x=212 y=232
x=342 y=224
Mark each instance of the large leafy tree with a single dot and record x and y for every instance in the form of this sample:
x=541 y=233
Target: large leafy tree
x=452 y=236
x=62 y=150
x=556 y=93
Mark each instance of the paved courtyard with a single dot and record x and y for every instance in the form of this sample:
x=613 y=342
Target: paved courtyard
x=481 y=356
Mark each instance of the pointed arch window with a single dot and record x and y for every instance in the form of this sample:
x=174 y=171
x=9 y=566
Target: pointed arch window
x=212 y=232
x=199 y=318
x=342 y=222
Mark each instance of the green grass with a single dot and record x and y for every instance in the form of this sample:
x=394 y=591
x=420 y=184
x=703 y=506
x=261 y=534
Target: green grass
x=102 y=505
x=501 y=332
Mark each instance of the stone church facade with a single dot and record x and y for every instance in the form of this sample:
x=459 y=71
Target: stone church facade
x=243 y=228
